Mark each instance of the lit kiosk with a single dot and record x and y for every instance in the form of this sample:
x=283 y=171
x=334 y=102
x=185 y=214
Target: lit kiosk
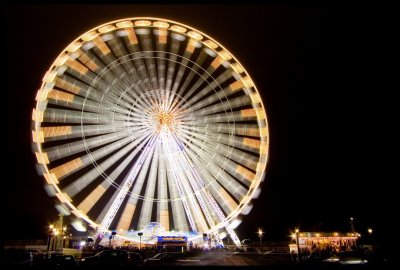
x=310 y=241
x=172 y=243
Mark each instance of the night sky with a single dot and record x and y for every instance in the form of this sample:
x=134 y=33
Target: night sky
x=316 y=68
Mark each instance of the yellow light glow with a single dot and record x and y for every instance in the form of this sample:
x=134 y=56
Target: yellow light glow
x=102 y=46
x=126 y=217
x=66 y=168
x=89 y=36
x=217 y=61
x=42 y=158
x=61 y=60
x=236 y=85
x=50 y=178
x=38 y=137
x=124 y=24
x=132 y=36
x=210 y=44
x=74 y=46
x=90 y=200
x=245 y=172
x=191 y=45
x=255 y=98
x=49 y=77
x=225 y=55
x=251 y=142
x=60 y=95
x=78 y=67
x=107 y=28
x=237 y=68
x=161 y=24
x=88 y=62
x=178 y=29
x=195 y=35
x=67 y=86
x=164 y=219
x=143 y=23
x=248 y=83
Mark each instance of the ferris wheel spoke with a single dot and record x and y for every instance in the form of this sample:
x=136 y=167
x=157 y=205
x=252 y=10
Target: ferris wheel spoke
x=69 y=149
x=162 y=193
x=184 y=184
x=161 y=44
x=224 y=106
x=108 y=214
x=189 y=78
x=212 y=158
x=147 y=207
x=83 y=181
x=221 y=94
x=180 y=209
x=130 y=207
x=70 y=101
x=214 y=85
x=230 y=117
x=220 y=169
x=121 y=53
x=190 y=48
x=134 y=179
x=196 y=184
x=69 y=84
x=176 y=41
x=131 y=41
x=70 y=167
x=216 y=190
x=208 y=178
x=75 y=117
x=57 y=133
x=248 y=130
x=145 y=41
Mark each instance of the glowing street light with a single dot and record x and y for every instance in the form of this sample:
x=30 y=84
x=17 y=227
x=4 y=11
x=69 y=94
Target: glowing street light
x=260 y=234
x=370 y=230
x=140 y=240
x=297 y=242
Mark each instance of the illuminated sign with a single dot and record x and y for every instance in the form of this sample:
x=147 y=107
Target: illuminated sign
x=172 y=239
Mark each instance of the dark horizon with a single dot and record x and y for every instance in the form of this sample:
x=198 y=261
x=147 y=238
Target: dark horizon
x=310 y=67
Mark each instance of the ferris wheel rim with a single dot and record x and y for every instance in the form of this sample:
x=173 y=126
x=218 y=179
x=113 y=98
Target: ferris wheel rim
x=254 y=184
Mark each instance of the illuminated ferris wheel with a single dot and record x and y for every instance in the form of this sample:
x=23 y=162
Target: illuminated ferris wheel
x=148 y=120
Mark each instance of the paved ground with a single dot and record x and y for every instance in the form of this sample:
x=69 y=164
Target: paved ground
x=238 y=259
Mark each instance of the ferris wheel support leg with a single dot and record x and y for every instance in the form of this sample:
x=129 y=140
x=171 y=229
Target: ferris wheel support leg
x=233 y=236
x=97 y=239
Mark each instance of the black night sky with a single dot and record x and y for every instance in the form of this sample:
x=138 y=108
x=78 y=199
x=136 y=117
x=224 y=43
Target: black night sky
x=317 y=68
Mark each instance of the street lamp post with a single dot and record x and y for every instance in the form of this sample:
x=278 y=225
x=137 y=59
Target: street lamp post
x=140 y=240
x=49 y=236
x=260 y=235
x=370 y=237
x=298 y=244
